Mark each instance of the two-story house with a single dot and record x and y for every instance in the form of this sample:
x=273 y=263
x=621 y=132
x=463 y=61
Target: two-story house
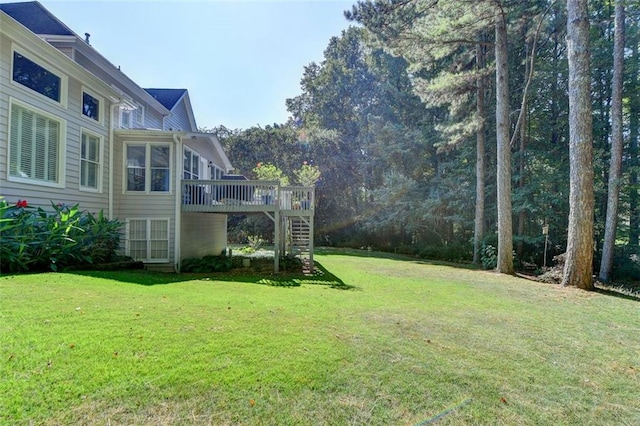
x=75 y=129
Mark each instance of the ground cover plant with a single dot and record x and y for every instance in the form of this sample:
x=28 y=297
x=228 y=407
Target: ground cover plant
x=370 y=339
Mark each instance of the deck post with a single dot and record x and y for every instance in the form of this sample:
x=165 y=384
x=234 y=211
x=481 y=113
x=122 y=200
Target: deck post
x=276 y=235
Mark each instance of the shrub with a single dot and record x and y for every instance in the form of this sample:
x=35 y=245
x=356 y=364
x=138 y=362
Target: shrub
x=489 y=256
x=626 y=264
x=209 y=263
x=33 y=239
x=459 y=253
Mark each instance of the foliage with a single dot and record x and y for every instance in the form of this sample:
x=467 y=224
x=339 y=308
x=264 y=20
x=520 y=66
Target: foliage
x=255 y=242
x=307 y=174
x=33 y=239
x=136 y=348
x=458 y=253
x=209 y=263
x=390 y=115
x=489 y=256
x=267 y=171
x=626 y=264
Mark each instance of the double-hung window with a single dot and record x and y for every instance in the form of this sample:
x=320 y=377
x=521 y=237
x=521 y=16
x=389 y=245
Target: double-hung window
x=148 y=239
x=35 y=145
x=90 y=170
x=191 y=164
x=148 y=168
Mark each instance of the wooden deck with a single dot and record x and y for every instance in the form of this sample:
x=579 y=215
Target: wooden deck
x=290 y=207
x=247 y=196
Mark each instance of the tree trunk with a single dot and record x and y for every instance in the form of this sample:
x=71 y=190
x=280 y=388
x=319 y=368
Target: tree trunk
x=505 y=227
x=478 y=233
x=634 y=124
x=615 y=168
x=578 y=268
x=522 y=214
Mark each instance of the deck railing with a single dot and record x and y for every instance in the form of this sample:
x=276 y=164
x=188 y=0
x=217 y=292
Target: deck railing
x=244 y=195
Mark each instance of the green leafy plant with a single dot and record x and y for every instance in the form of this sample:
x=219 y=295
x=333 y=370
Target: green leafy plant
x=209 y=263
x=307 y=175
x=267 y=171
x=34 y=239
x=489 y=256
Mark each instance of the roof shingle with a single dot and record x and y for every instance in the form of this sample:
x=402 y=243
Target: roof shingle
x=36 y=18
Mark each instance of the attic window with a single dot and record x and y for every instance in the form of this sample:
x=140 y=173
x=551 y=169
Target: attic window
x=36 y=77
x=90 y=106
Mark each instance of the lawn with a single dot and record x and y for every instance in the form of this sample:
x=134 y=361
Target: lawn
x=373 y=340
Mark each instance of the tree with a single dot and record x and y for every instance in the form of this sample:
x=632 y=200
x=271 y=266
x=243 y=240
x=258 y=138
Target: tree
x=615 y=169
x=505 y=227
x=450 y=47
x=578 y=267
x=478 y=224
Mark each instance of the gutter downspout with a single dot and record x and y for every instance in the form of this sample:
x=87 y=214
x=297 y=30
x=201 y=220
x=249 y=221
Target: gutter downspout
x=112 y=126
x=178 y=202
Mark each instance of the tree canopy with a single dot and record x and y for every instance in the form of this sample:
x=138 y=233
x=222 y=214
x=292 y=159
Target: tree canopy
x=434 y=124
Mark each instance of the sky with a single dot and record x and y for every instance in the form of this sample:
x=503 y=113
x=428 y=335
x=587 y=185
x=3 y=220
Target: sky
x=240 y=60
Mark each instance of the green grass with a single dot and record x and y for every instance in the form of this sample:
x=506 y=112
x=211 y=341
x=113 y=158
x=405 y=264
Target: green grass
x=373 y=340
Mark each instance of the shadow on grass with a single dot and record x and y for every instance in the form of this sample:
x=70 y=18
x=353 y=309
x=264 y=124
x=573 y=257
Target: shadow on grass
x=321 y=276
x=623 y=292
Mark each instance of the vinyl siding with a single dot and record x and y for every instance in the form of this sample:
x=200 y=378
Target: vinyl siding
x=203 y=234
x=129 y=205
x=152 y=119
x=179 y=118
x=73 y=121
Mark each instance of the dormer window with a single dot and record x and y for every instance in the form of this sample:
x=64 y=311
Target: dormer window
x=90 y=106
x=37 y=78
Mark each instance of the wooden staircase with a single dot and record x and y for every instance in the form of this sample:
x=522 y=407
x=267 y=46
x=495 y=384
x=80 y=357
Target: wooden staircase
x=300 y=239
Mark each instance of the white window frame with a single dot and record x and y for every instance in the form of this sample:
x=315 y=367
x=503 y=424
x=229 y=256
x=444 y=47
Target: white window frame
x=192 y=154
x=64 y=79
x=147 y=168
x=148 y=238
x=99 y=177
x=125 y=112
x=137 y=117
x=216 y=172
x=101 y=105
x=62 y=137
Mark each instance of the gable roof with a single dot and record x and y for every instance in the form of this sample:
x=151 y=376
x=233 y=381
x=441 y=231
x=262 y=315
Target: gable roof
x=36 y=18
x=167 y=97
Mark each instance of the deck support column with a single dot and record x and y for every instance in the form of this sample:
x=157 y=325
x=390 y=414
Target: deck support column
x=276 y=236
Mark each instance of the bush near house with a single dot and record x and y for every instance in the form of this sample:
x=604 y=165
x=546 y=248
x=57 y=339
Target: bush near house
x=36 y=240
